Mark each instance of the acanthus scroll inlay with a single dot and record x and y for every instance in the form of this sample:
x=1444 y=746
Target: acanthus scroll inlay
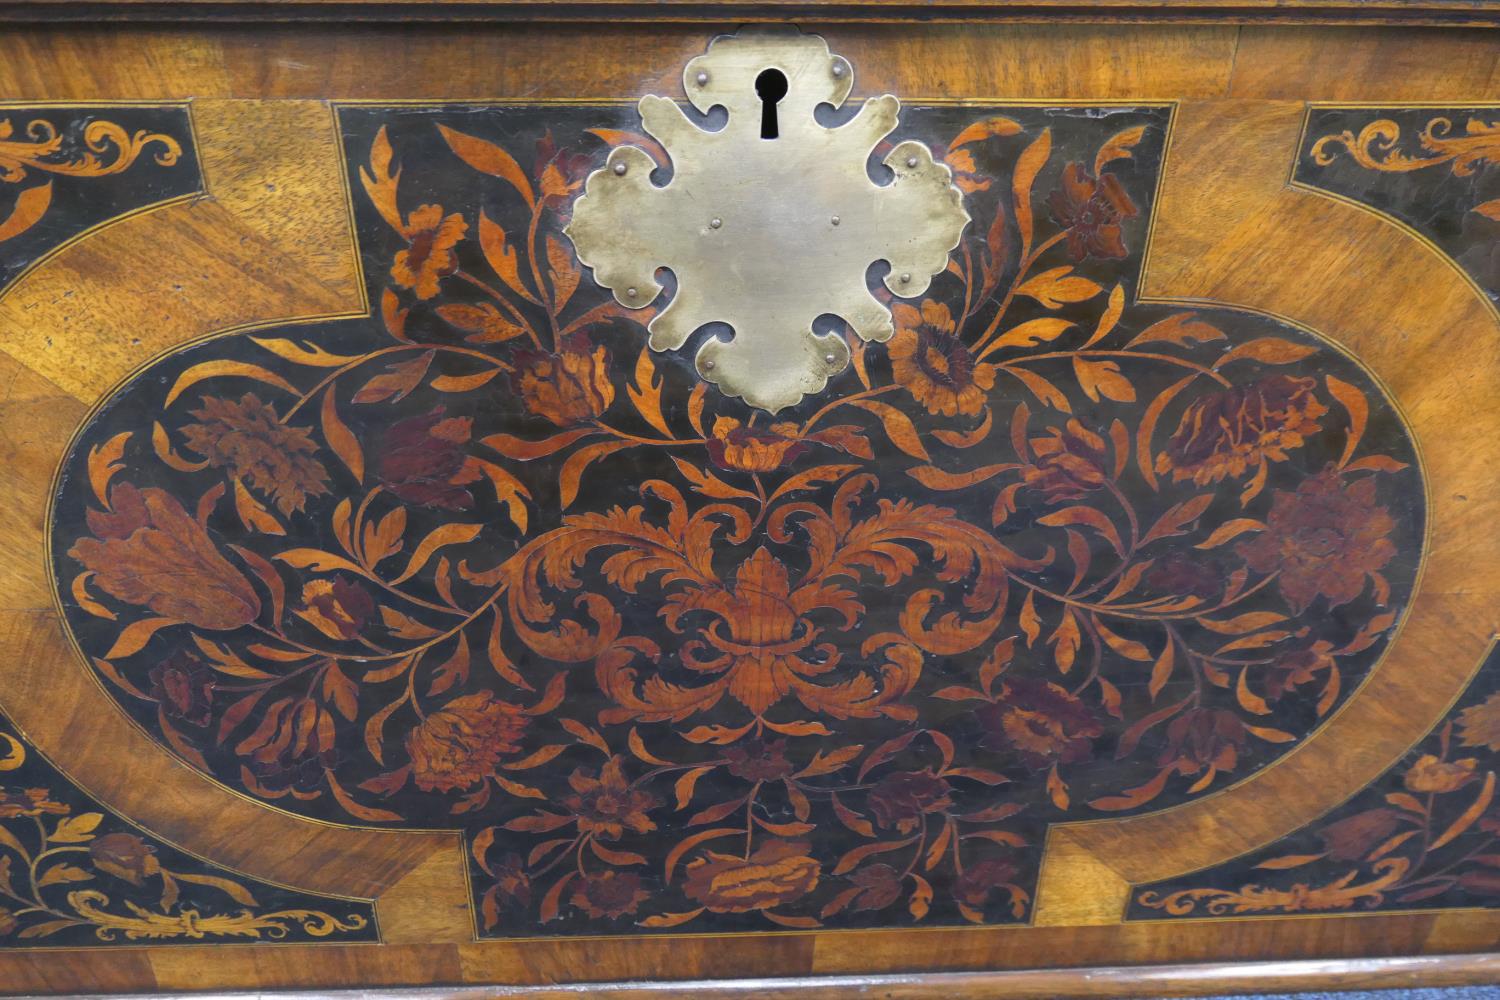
x=98 y=149
x=1047 y=554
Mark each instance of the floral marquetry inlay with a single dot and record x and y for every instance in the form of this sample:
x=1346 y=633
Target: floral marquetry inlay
x=484 y=560
x=73 y=874
x=1422 y=836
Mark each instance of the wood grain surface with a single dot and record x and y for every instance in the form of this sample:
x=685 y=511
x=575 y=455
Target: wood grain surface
x=269 y=241
x=1417 y=12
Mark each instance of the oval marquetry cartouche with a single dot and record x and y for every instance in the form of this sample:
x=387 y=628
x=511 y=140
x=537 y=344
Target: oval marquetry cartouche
x=486 y=561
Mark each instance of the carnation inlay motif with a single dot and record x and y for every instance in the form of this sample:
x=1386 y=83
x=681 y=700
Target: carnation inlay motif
x=483 y=560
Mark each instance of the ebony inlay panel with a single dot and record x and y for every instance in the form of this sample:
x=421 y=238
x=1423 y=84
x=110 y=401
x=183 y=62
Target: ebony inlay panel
x=67 y=168
x=1432 y=168
x=73 y=873
x=484 y=561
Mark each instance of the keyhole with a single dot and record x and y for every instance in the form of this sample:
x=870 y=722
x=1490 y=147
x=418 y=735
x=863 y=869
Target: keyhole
x=770 y=86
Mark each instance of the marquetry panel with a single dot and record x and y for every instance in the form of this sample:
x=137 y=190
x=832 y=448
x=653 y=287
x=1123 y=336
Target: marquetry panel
x=73 y=874
x=1429 y=167
x=403 y=617
x=68 y=168
x=344 y=570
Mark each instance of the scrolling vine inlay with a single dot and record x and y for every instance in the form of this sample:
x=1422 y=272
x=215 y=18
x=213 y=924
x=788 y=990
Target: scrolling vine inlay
x=126 y=157
x=1435 y=169
x=74 y=875
x=484 y=560
x=1423 y=836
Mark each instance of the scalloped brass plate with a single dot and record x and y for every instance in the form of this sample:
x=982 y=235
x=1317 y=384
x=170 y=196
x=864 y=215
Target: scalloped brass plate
x=768 y=234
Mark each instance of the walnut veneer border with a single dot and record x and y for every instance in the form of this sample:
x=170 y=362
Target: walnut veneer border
x=1097 y=981
x=1402 y=12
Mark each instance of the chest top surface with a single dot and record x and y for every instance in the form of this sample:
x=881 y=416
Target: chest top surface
x=752 y=513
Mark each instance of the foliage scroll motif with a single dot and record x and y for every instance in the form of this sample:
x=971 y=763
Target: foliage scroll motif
x=1423 y=835
x=101 y=148
x=74 y=875
x=484 y=560
x=1377 y=146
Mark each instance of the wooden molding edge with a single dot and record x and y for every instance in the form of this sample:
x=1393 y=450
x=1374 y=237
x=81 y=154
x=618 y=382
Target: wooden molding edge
x=1434 y=13
x=1096 y=981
